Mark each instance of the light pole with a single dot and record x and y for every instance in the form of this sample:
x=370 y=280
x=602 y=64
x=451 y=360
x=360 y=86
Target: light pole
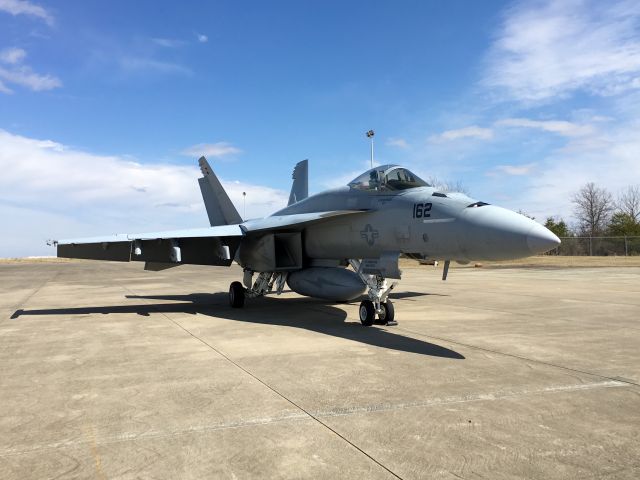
x=244 y=205
x=370 y=135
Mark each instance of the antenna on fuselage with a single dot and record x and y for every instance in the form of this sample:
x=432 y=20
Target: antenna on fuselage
x=370 y=135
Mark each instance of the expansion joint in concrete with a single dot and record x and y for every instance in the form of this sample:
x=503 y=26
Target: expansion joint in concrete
x=277 y=392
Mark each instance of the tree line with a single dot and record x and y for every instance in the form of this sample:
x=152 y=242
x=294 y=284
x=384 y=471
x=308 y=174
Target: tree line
x=599 y=214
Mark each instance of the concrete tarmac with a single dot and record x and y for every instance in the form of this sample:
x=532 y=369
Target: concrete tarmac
x=108 y=371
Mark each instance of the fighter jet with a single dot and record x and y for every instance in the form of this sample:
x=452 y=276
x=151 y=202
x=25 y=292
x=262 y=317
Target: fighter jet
x=338 y=245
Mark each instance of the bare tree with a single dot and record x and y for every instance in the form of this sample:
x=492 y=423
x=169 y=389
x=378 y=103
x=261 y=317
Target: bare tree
x=447 y=186
x=629 y=202
x=593 y=207
x=522 y=212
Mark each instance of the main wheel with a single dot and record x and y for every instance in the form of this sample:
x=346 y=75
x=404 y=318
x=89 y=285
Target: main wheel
x=367 y=313
x=236 y=295
x=389 y=313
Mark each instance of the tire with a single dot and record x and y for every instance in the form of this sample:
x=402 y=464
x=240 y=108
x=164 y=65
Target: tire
x=389 y=312
x=236 y=295
x=367 y=313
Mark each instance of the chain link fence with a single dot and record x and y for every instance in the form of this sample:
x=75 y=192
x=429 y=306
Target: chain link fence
x=598 y=246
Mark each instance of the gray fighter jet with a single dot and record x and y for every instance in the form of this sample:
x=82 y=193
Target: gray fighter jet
x=336 y=245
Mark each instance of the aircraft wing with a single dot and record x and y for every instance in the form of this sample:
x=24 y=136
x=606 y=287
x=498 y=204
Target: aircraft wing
x=199 y=246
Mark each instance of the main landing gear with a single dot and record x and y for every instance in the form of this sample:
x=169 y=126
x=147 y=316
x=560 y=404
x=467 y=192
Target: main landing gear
x=236 y=295
x=264 y=284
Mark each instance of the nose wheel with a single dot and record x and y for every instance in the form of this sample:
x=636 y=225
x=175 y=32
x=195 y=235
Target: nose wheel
x=367 y=313
x=387 y=313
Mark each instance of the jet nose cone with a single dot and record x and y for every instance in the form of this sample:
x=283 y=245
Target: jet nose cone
x=541 y=240
x=495 y=233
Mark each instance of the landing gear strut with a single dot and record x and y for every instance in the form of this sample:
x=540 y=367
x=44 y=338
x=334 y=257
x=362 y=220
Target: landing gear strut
x=267 y=282
x=378 y=301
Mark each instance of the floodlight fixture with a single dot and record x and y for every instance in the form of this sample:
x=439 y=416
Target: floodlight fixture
x=370 y=135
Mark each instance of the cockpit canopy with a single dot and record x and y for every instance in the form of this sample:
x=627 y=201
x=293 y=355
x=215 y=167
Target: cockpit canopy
x=387 y=178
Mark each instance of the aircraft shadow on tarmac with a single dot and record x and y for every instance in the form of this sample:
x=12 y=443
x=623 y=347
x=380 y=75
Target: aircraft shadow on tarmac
x=309 y=314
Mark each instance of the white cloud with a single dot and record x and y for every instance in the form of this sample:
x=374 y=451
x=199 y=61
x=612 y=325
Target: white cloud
x=12 y=55
x=144 y=65
x=23 y=7
x=547 y=49
x=560 y=127
x=5 y=89
x=23 y=75
x=49 y=190
x=202 y=38
x=168 y=42
x=216 y=150
x=467 y=132
x=136 y=58
x=609 y=159
x=398 y=143
x=513 y=169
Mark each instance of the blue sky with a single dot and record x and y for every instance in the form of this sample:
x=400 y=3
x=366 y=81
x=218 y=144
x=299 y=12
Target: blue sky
x=105 y=107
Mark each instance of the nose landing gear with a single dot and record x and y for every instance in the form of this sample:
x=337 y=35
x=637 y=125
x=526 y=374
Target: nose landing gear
x=378 y=301
x=387 y=314
x=367 y=313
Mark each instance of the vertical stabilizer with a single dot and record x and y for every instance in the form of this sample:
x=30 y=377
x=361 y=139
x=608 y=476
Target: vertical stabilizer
x=300 y=187
x=219 y=207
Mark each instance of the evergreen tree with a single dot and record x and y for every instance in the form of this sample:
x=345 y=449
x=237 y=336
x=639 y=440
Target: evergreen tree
x=559 y=228
x=622 y=224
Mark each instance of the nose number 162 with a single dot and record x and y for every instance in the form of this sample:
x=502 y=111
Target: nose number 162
x=421 y=210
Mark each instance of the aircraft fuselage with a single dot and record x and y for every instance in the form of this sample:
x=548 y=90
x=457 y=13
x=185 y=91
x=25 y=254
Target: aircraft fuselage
x=419 y=221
